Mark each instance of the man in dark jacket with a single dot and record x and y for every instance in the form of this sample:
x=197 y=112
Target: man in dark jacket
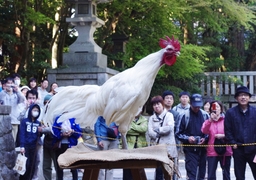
x=240 y=129
x=189 y=133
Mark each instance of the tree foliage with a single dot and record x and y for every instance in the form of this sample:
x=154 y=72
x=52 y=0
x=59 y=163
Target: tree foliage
x=203 y=26
x=215 y=35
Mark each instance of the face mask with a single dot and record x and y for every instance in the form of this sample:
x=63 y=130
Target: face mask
x=35 y=113
x=17 y=82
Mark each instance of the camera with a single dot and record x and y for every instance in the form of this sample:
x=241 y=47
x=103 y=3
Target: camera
x=213 y=110
x=197 y=139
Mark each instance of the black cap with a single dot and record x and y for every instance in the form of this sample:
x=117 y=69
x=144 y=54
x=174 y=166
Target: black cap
x=242 y=89
x=196 y=100
x=166 y=93
x=184 y=93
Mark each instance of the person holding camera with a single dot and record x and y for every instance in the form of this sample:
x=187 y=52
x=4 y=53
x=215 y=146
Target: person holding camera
x=214 y=127
x=11 y=96
x=190 y=134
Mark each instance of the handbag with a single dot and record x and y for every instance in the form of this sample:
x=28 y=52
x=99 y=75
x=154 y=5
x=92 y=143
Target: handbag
x=112 y=132
x=20 y=165
x=219 y=145
x=220 y=150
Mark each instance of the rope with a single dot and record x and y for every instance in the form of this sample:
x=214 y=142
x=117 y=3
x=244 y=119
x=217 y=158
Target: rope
x=88 y=134
x=168 y=144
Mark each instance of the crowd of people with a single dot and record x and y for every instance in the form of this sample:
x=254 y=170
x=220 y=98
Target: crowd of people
x=198 y=125
x=33 y=138
x=193 y=128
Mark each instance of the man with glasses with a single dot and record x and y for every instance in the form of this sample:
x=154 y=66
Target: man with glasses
x=240 y=131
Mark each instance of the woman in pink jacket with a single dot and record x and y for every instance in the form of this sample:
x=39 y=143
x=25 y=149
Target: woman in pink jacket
x=214 y=127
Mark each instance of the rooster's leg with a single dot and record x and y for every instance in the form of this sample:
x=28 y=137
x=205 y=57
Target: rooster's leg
x=124 y=141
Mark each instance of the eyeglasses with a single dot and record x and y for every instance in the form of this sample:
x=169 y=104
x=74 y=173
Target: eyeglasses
x=243 y=94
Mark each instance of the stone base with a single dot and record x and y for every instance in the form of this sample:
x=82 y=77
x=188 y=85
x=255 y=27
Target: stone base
x=7 y=150
x=88 y=59
x=80 y=75
x=82 y=68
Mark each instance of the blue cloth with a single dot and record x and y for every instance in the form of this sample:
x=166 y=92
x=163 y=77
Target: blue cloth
x=29 y=129
x=73 y=138
x=100 y=129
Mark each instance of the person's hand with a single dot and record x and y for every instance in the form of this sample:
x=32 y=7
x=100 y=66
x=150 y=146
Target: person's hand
x=39 y=128
x=235 y=146
x=101 y=144
x=213 y=117
x=191 y=139
x=202 y=140
x=22 y=150
x=67 y=133
x=29 y=102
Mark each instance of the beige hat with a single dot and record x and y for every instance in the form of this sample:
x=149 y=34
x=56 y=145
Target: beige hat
x=24 y=87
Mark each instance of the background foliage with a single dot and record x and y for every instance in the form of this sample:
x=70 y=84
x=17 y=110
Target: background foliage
x=215 y=36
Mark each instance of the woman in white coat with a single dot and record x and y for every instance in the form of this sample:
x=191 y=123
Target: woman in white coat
x=161 y=130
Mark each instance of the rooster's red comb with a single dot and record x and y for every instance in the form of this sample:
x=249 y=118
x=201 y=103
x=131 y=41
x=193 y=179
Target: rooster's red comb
x=175 y=43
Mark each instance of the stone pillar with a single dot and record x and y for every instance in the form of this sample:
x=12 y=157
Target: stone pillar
x=85 y=63
x=7 y=146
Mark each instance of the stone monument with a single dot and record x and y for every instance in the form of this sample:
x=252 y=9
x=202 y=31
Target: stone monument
x=85 y=62
x=7 y=151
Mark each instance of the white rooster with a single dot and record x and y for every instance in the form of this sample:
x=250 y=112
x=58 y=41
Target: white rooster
x=119 y=98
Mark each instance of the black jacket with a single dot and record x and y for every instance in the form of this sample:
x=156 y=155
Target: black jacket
x=240 y=127
x=191 y=126
x=176 y=119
